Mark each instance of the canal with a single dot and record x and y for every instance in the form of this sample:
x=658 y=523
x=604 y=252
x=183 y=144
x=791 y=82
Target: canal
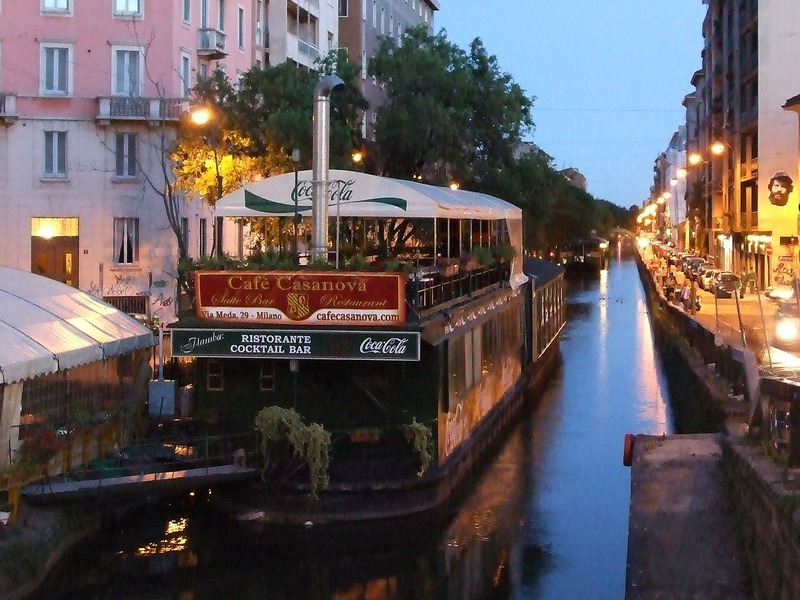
x=548 y=519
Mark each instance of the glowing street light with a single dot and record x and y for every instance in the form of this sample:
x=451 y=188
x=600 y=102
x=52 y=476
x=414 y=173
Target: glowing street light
x=717 y=148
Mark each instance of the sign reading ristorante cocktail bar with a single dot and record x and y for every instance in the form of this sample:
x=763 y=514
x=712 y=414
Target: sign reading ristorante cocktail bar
x=301 y=298
x=298 y=344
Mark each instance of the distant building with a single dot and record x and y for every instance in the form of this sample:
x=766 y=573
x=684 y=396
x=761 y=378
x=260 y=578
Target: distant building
x=741 y=101
x=362 y=24
x=575 y=177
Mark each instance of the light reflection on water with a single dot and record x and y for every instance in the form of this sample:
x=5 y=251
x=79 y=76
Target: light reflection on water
x=548 y=519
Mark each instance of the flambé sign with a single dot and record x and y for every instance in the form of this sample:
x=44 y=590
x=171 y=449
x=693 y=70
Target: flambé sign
x=301 y=297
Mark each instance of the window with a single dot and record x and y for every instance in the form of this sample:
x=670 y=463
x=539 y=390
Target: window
x=374 y=13
x=126 y=155
x=266 y=380
x=126 y=240
x=61 y=6
x=203 y=237
x=383 y=21
x=186 y=13
x=127 y=7
x=186 y=84
x=185 y=233
x=127 y=72
x=240 y=28
x=222 y=15
x=55 y=154
x=214 y=376
x=344 y=9
x=55 y=69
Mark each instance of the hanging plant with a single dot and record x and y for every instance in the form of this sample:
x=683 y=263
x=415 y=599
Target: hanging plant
x=288 y=445
x=422 y=441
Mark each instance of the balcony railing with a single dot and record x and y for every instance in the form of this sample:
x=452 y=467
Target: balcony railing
x=211 y=43
x=307 y=48
x=8 y=107
x=138 y=108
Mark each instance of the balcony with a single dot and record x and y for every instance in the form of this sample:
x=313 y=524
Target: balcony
x=137 y=108
x=211 y=43
x=8 y=108
x=307 y=48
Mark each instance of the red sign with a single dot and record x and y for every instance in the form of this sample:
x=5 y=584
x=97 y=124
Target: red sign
x=301 y=297
x=768 y=249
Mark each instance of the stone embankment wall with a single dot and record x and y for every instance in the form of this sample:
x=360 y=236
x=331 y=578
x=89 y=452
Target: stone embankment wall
x=765 y=493
x=766 y=496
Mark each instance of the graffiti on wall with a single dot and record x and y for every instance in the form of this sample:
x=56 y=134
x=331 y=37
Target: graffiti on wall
x=158 y=291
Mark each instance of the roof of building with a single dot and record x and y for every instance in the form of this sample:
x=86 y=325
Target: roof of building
x=47 y=326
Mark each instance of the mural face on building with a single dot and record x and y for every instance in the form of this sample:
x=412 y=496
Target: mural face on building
x=780 y=186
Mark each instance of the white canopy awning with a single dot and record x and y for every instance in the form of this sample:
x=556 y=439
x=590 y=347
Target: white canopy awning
x=354 y=194
x=47 y=326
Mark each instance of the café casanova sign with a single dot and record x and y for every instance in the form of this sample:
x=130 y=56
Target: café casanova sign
x=302 y=298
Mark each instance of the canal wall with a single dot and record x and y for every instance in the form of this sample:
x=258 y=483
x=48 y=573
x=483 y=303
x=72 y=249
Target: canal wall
x=714 y=384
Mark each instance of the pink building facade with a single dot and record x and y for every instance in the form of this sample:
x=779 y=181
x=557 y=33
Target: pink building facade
x=90 y=94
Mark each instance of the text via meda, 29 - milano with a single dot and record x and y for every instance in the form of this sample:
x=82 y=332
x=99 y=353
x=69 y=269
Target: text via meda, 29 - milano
x=327 y=345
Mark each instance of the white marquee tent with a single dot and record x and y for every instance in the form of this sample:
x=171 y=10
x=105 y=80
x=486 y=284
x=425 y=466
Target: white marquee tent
x=354 y=194
x=47 y=326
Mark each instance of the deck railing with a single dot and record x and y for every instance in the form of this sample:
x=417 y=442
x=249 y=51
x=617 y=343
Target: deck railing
x=429 y=288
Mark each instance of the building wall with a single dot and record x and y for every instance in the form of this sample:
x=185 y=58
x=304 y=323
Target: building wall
x=361 y=31
x=91 y=191
x=778 y=77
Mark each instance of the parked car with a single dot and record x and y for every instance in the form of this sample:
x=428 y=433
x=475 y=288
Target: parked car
x=787 y=325
x=726 y=284
x=694 y=266
x=707 y=277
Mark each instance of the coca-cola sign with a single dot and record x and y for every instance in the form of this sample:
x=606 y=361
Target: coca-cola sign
x=392 y=345
x=301 y=344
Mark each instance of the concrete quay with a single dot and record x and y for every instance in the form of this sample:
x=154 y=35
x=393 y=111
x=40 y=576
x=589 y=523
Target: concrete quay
x=681 y=540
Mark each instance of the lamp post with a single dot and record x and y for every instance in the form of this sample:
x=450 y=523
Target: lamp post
x=296 y=161
x=201 y=117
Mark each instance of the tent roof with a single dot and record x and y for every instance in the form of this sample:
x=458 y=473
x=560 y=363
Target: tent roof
x=47 y=326
x=355 y=194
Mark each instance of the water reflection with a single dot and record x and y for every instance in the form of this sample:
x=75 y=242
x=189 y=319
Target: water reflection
x=547 y=520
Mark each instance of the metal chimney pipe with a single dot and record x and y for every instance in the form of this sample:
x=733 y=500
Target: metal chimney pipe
x=321 y=165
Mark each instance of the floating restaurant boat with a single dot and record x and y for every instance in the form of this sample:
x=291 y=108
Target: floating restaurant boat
x=414 y=371
x=584 y=256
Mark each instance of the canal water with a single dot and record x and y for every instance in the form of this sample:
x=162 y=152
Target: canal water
x=548 y=519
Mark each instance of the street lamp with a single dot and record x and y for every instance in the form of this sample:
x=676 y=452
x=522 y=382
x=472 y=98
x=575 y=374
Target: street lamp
x=201 y=117
x=297 y=217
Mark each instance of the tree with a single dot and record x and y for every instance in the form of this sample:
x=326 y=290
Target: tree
x=420 y=129
x=257 y=124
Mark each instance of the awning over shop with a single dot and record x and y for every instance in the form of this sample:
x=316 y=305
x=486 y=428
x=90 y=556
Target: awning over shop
x=46 y=326
x=354 y=194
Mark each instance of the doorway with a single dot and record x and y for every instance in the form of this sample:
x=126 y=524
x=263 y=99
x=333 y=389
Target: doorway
x=54 y=248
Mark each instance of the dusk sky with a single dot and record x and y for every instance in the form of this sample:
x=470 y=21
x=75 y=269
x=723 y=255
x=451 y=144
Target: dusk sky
x=609 y=77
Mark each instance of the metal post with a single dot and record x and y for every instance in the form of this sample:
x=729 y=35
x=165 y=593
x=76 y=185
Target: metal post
x=739 y=314
x=320 y=165
x=296 y=161
x=338 y=220
x=763 y=322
